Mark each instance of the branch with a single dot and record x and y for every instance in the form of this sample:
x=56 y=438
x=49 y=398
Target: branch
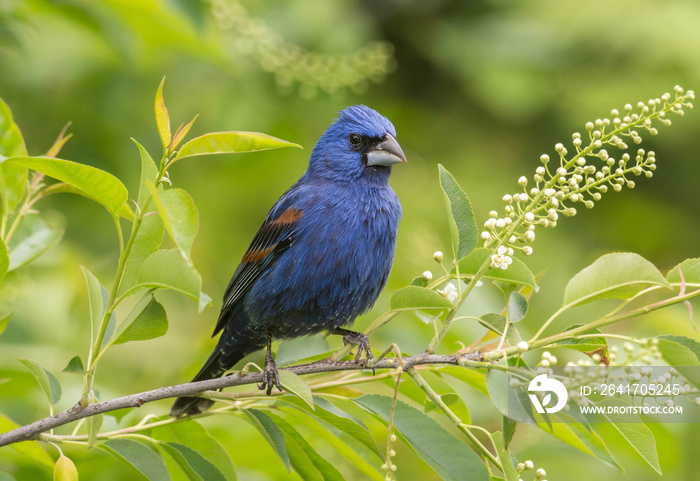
x=33 y=430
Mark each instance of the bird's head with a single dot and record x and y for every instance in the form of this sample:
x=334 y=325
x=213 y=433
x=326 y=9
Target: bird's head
x=361 y=143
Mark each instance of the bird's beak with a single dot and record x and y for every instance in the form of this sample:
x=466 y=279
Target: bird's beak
x=387 y=152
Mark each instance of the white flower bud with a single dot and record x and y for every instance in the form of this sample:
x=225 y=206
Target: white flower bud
x=527 y=250
x=508 y=199
x=485 y=235
x=561 y=171
x=522 y=347
x=540 y=170
x=529 y=216
x=529 y=464
x=522 y=181
x=437 y=255
x=427 y=276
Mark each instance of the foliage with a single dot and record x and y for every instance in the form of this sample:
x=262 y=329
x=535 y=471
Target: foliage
x=328 y=404
x=478 y=87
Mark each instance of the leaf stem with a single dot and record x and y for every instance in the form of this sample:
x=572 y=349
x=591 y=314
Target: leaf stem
x=435 y=398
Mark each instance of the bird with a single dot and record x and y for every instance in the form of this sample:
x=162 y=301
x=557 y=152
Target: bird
x=321 y=257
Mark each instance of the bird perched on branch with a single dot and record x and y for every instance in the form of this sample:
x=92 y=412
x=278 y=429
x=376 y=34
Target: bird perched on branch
x=321 y=257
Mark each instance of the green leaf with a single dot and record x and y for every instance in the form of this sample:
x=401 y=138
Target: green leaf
x=93 y=424
x=585 y=344
x=504 y=396
x=462 y=222
x=497 y=324
x=65 y=470
x=682 y=353
x=148 y=239
x=414 y=297
x=4 y=260
x=517 y=307
x=196 y=466
x=13 y=177
x=474 y=378
x=162 y=117
x=690 y=269
x=509 y=427
x=29 y=449
x=231 y=142
x=687 y=342
x=306 y=456
x=181 y=133
x=336 y=417
x=139 y=456
x=581 y=438
x=46 y=379
x=96 y=184
x=149 y=171
x=296 y=349
x=634 y=431
x=296 y=385
x=179 y=216
x=32 y=238
x=612 y=276
x=450 y=457
x=509 y=471
x=75 y=366
x=95 y=299
x=193 y=435
x=270 y=432
x=517 y=272
x=149 y=323
x=3 y=322
x=169 y=270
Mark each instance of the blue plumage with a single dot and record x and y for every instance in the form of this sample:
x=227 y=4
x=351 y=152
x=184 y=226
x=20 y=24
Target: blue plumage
x=323 y=254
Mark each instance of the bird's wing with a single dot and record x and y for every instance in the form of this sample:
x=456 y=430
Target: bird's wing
x=274 y=237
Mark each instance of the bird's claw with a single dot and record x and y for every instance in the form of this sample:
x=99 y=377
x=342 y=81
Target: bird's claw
x=271 y=377
x=362 y=342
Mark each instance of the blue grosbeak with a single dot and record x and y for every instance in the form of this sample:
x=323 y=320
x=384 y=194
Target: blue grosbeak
x=321 y=257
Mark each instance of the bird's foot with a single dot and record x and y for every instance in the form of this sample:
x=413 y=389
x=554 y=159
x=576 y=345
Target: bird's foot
x=270 y=376
x=360 y=340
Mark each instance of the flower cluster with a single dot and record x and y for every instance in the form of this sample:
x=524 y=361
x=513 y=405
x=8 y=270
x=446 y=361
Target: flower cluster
x=291 y=63
x=583 y=178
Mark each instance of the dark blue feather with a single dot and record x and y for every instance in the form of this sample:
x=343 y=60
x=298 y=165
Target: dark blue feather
x=323 y=254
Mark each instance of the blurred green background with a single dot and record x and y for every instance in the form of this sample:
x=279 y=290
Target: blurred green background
x=482 y=87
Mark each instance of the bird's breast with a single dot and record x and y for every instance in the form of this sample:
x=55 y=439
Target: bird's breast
x=337 y=264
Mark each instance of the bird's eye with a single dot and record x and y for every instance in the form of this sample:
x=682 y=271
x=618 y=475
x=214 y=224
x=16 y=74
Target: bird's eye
x=355 y=140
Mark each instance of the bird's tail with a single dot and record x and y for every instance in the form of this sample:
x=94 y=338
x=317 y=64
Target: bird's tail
x=195 y=405
x=226 y=354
